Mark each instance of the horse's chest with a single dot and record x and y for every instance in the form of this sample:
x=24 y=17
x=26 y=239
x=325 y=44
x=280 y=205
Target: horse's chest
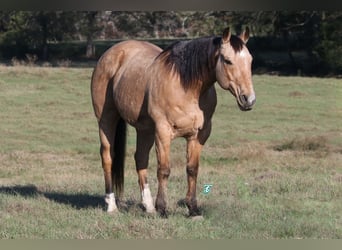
x=185 y=121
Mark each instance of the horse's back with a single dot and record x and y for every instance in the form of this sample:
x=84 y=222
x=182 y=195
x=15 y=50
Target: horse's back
x=118 y=80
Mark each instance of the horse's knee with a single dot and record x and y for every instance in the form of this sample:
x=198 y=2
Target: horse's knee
x=163 y=173
x=192 y=170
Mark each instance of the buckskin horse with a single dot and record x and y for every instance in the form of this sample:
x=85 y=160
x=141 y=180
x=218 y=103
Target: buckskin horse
x=164 y=95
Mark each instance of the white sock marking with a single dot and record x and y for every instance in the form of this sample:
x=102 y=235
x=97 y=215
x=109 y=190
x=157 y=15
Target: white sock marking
x=147 y=200
x=110 y=200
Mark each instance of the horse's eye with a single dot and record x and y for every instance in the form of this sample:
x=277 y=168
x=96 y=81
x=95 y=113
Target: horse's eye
x=226 y=61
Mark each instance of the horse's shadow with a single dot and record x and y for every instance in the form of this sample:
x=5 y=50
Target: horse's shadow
x=77 y=201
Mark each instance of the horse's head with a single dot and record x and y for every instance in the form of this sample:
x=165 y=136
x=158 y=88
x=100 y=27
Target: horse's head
x=234 y=68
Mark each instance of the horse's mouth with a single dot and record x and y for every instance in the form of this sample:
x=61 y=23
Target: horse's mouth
x=242 y=100
x=244 y=108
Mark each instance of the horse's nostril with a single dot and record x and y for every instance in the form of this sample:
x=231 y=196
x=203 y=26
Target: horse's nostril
x=244 y=98
x=247 y=101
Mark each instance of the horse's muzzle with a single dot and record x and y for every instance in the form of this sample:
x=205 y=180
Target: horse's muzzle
x=246 y=102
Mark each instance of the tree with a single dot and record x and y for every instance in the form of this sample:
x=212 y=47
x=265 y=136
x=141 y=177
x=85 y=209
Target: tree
x=49 y=26
x=33 y=30
x=157 y=24
x=330 y=45
x=89 y=25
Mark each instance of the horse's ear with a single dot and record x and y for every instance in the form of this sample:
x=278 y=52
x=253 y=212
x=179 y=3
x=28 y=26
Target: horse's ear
x=245 y=35
x=226 y=35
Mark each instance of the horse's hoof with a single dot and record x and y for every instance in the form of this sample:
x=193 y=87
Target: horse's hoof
x=112 y=208
x=163 y=214
x=197 y=217
x=112 y=211
x=151 y=210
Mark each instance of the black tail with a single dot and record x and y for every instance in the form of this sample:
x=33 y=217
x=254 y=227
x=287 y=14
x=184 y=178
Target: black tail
x=119 y=157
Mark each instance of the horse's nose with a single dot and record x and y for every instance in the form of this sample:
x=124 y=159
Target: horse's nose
x=248 y=101
x=251 y=100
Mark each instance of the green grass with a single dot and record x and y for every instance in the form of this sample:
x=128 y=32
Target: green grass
x=276 y=171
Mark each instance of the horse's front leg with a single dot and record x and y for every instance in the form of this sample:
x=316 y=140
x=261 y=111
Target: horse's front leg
x=194 y=149
x=163 y=141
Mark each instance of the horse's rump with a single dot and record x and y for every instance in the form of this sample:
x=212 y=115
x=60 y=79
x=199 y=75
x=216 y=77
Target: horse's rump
x=118 y=81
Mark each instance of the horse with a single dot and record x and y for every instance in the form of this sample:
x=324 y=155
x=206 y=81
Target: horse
x=165 y=94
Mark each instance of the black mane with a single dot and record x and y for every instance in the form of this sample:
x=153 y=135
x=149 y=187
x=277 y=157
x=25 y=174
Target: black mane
x=194 y=59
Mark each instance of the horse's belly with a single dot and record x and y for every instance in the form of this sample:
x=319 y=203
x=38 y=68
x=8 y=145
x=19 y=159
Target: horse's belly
x=130 y=102
x=132 y=111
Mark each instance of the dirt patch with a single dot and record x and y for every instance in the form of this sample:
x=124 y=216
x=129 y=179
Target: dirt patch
x=296 y=94
x=314 y=143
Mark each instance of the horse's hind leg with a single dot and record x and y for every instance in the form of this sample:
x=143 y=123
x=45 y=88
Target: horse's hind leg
x=145 y=140
x=107 y=136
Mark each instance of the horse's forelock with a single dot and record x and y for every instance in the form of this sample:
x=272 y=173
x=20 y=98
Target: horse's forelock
x=236 y=43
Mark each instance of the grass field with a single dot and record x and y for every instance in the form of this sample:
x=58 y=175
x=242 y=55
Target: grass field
x=276 y=171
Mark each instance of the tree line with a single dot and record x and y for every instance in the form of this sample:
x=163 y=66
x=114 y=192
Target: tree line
x=318 y=33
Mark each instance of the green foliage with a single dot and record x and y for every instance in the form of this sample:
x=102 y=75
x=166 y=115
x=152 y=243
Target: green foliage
x=32 y=30
x=316 y=34
x=330 y=46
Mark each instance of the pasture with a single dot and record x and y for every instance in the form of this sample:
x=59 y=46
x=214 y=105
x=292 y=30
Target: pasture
x=276 y=171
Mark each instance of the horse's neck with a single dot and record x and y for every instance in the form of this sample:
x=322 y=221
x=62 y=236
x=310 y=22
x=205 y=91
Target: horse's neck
x=210 y=76
x=206 y=84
